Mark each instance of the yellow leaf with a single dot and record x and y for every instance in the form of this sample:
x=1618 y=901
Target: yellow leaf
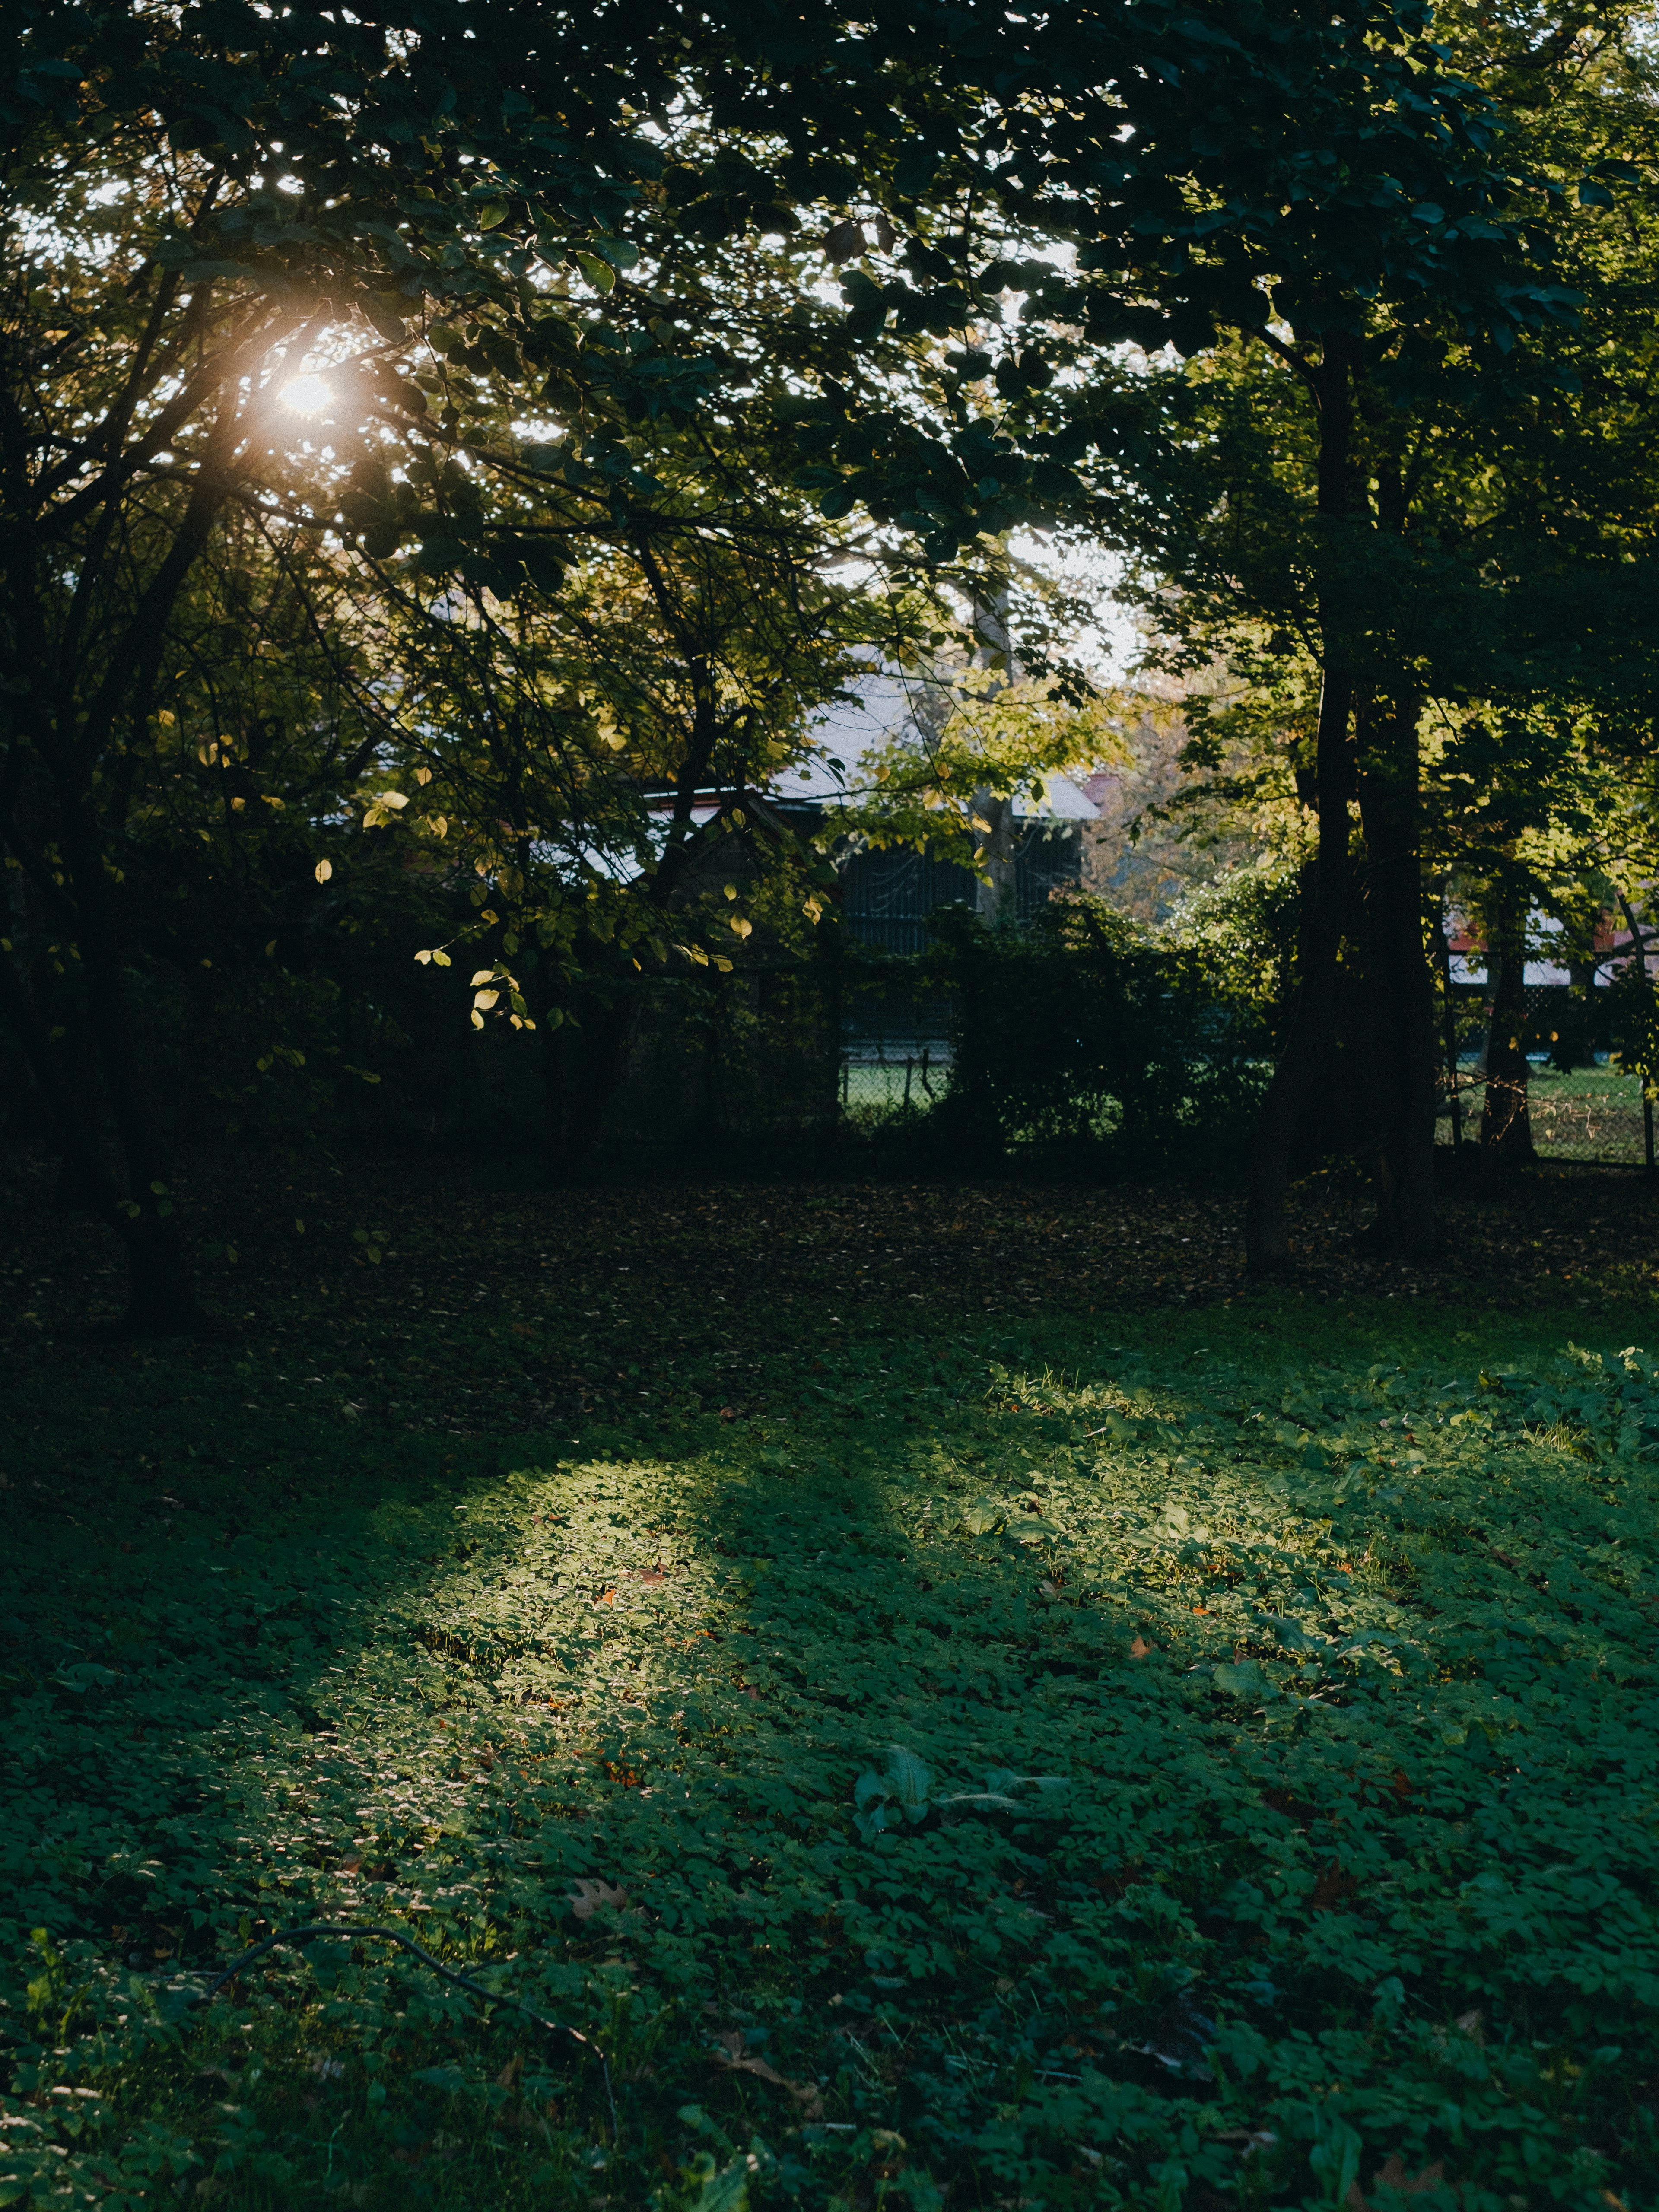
x=743 y=928
x=483 y=975
x=440 y=959
x=422 y=775
x=324 y=870
x=485 y=999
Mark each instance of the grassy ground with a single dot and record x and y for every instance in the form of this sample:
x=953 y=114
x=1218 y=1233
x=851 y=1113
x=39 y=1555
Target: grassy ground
x=939 y=1748
x=1586 y=1113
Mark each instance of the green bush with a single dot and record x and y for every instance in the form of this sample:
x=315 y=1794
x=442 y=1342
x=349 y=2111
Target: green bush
x=1084 y=1042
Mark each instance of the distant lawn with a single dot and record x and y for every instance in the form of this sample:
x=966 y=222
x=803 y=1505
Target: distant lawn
x=1201 y=1760
x=1588 y=1113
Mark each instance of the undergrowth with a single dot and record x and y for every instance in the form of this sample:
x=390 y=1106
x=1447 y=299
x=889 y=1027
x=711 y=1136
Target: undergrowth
x=1034 y=1768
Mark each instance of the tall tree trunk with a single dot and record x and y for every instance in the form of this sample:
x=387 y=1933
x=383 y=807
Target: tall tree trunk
x=1505 y=1121
x=161 y=1299
x=583 y=1061
x=1266 y=1238
x=997 y=897
x=1267 y=1241
x=1399 y=989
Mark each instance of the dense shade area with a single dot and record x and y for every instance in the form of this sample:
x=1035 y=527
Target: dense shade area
x=937 y=1752
x=458 y=1245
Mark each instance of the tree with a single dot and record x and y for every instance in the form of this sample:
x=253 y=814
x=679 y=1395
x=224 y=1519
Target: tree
x=1326 y=487
x=191 y=203
x=1327 y=188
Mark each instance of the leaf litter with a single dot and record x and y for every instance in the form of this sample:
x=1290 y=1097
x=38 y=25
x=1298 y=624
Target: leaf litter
x=1344 y=1660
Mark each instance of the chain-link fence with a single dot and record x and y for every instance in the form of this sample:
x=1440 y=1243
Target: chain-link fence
x=883 y=1076
x=894 y=1051
x=1581 y=1104
x=1597 y=1115
x=897 y=1055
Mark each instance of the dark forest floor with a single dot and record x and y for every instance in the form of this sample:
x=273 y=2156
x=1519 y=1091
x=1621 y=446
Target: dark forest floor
x=470 y=1240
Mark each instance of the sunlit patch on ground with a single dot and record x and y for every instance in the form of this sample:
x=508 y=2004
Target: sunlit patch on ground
x=1044 y=1766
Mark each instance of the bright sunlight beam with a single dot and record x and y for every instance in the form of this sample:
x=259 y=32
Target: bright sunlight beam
x=306 y=395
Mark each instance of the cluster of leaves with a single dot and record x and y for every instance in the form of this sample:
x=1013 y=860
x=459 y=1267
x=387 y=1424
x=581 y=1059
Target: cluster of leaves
x=1343 y=1665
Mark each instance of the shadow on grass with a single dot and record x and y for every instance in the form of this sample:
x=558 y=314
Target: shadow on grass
x=1044 y=1759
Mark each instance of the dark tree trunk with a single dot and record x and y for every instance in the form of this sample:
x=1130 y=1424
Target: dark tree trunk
x=1399 y=989
x=1267 y=1240
x=997 y=899
x=162 y=1295
x=1505 y=1121
x=583 y=1061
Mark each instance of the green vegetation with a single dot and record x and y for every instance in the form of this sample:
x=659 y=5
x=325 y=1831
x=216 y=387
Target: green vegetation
x=1067 y=1760
x=823 y=1696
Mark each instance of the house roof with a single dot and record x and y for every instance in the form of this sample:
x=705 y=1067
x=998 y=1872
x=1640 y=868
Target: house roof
x=879 y=707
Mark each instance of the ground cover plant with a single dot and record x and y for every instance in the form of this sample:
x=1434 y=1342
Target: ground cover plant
x=1032 y=1757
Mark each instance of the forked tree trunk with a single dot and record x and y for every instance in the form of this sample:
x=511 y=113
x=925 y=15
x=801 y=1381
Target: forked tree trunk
x=1266 y=1237
x=1267 y=1240
x=1400 y=988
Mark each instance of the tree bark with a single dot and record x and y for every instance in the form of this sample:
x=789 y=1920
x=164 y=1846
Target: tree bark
x=1399 y=989
x=161 y=1299
x=997 y=899
x=1267 y=1240
x=1505 y=1121
x=1266 y=1237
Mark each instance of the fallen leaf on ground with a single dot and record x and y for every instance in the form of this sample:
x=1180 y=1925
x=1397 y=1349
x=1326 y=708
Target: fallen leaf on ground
x=1139 y=1648
x=1393 y=2175
x=588 y=1896
x=729 y=2052
x=1334 y=1887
